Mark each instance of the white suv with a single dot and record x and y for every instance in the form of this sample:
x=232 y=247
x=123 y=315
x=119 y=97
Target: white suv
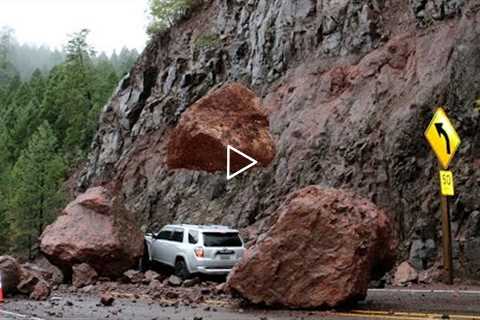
x=207 y=249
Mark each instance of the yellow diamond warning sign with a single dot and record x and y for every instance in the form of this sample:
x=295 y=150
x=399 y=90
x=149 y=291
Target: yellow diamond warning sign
x=446 y=183
x=442 y=137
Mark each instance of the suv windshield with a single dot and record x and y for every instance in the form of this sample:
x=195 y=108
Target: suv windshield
x=216 y=239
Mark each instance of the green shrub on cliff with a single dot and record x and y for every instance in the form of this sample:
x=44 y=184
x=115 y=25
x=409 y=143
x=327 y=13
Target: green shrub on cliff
x=205 y=41
x=165 y=13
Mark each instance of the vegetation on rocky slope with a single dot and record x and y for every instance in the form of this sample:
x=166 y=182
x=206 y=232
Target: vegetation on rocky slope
x=47 y=122
x=165 y=13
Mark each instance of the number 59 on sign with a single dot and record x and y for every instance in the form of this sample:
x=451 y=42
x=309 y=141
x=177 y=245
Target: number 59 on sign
x=446 y=183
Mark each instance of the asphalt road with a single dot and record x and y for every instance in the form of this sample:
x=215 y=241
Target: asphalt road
x=380 y=304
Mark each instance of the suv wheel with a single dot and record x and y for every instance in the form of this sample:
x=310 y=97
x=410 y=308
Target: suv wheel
x=144 y=263
x=181 y=269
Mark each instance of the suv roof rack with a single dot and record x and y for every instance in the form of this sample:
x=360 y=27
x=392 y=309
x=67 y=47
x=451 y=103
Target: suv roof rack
x=219 y=226
x=199 y=226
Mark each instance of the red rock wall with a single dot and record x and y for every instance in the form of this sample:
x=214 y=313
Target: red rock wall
x=349 y=88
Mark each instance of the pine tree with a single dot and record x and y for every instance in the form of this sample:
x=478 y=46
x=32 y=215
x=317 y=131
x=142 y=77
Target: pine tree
x=47 y=122
x=37 y=86
x=7 y=70
x=35 y=189
x=126 y=59
x=5 y=167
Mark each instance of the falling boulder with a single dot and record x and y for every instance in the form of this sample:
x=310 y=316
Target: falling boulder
x=10 y=272
x=231 y=115
x=95 y=229
x=322 y=251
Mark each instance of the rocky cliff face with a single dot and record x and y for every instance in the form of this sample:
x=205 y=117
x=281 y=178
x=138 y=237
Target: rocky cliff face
x=349 y=87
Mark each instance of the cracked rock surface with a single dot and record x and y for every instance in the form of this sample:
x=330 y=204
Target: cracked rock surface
x=348 y=88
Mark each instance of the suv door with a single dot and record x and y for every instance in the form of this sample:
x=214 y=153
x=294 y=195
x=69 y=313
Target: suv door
x=160 y=245
x=175 y=245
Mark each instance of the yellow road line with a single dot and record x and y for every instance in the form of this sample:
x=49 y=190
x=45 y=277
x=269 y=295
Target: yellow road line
x=377 y=316
x=395 y=313
x=405 y=315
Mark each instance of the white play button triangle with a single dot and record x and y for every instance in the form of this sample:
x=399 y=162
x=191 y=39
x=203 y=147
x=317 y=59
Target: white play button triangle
x=252 y=162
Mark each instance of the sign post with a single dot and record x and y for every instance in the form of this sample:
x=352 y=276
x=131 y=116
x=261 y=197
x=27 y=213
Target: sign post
x=444 y=140
x=446 y=240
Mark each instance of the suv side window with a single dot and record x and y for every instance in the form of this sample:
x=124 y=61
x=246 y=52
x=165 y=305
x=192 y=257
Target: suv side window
x=193 y=237
x=164 y=235
x=177 y=236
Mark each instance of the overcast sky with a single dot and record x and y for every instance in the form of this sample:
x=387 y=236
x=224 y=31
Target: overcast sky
x=113 y=23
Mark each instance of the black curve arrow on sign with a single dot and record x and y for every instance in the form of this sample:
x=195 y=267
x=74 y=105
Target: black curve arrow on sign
x=441 y=132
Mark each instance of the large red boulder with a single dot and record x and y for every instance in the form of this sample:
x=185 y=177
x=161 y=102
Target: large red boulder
x=323 y=250
x=95 y=229
x=231 y=115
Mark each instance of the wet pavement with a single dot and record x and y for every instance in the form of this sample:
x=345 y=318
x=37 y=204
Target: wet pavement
x=400 y=304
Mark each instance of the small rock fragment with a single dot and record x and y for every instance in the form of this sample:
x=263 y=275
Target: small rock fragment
x=151 y=275
x=83 y=275
x=405 y=274
x=133 y=276
x=220 y=288
x=106 y=299
x=174 y=281
x=191 y=282
x=41 y=291
x=171 y=295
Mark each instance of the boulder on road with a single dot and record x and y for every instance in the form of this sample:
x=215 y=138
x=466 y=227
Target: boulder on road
x=133 y=276
x=50 y=273
x=28 y=280
x=95 y=229
x=405 y=274
x=10 y=272
x=41 y=291
x=34 y=281
x=231 y=115
x=322 y=251
x=83 y=275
